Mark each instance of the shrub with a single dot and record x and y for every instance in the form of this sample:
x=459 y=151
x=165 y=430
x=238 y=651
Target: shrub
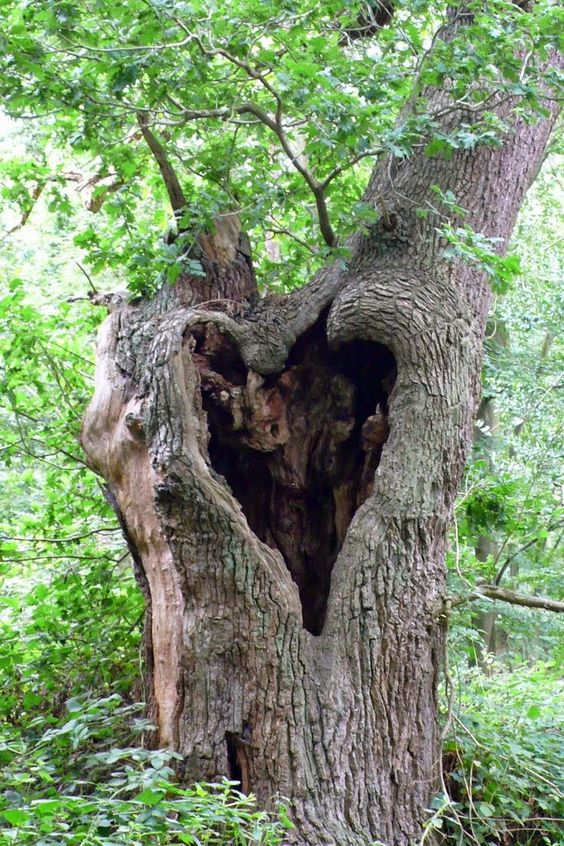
x=69 y=784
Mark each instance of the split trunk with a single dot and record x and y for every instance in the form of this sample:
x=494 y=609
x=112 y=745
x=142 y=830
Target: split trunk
x=285 y=469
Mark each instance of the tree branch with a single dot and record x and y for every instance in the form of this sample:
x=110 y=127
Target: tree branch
x=275 y=124
x=523 y=548
x=375 y=15
x=95 y=202
x=509 y=596
x=175 y=193
x=35 y=195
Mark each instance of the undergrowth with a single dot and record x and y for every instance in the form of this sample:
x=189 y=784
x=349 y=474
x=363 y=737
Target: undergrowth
x=72 y=783
x=502 y=760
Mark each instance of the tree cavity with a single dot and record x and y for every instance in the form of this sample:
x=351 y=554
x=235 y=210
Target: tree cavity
x=298 y=449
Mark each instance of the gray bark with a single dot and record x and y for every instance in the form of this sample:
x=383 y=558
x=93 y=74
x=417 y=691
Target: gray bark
x=285 y=471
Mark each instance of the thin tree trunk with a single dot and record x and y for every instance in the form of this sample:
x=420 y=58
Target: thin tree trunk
x=485 y=620
x=285 y=471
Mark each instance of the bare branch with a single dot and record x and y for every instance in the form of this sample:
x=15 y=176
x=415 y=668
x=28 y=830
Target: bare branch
x=150 y=48
x=175 y=193
x=90 y=282
x=69 y=539
x=35 y=194
x=509 y=596
x=62 y=557
x=324 y=221
x=275 y=229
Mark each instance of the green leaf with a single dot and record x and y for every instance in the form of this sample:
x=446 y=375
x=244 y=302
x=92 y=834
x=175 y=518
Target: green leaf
x=484 y=809
x=150 y=797
x=438 y=146
x=16 y=817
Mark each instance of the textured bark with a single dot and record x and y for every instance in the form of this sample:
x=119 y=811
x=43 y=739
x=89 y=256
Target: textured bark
x=285 y=470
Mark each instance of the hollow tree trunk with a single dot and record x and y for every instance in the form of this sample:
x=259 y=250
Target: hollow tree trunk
x=285 y=470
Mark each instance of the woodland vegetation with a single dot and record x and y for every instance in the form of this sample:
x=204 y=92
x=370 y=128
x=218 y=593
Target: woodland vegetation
x=281 y=555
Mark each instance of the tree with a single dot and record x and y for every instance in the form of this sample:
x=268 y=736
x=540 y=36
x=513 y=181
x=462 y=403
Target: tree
x=284 y=467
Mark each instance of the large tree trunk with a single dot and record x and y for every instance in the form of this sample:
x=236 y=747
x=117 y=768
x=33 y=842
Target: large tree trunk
x=285 y=470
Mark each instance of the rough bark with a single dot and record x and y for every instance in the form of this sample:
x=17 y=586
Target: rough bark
x=285 y=470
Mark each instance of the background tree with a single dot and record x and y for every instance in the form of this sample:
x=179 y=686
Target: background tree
x=325 y=691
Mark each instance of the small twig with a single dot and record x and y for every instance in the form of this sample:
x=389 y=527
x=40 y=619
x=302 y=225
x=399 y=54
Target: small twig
x=90 y=282
x=60 y=540
x=350 y=163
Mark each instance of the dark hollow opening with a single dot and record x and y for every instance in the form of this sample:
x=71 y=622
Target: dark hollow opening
x=299 y=449
x=235 y=771
x=237 y=760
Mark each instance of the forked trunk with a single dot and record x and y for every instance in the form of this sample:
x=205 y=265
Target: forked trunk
x=285 y=470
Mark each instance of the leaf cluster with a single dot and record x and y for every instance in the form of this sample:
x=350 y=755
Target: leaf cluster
x=73 y=783
x=268 y=108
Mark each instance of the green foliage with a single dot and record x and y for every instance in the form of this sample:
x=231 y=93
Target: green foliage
x=244 y=97
x=512 y=496
x=503 y=751
x=73 y=783
x=503 y=759
x=70 y=613
x=72 y=769
x=474 y=248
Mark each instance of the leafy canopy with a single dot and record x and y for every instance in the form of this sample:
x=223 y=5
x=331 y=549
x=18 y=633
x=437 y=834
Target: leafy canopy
x=274 y=108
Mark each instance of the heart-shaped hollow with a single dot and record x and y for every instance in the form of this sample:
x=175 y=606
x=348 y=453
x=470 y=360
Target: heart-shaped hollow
x=298 y=449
